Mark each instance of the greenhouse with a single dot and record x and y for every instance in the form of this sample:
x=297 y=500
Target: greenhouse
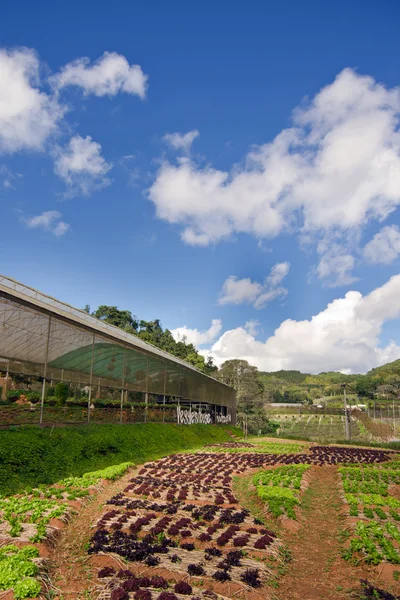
x=106 y=374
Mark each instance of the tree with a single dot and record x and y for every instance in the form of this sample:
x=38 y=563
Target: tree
x=119 y=318
x=243 y=377
x=249 y=392
x=366 y=386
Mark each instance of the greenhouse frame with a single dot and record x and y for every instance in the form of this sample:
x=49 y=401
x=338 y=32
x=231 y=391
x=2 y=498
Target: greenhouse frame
x=50 y=341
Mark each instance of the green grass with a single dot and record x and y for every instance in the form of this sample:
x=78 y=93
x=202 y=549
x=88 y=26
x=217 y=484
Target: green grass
x=30 y=456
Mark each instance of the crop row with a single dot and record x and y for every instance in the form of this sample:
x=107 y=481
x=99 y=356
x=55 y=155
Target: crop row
x=179 y=514
x=367 y=490
x=279 y=488
x=265 y=447
x=28 y=518
x=374 y=542
x=18 y=570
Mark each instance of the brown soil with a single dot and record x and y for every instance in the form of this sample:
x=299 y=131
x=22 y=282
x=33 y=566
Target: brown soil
x=317 y=571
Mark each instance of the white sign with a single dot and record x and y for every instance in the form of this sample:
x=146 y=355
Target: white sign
x=188 y=417
x=224 y=420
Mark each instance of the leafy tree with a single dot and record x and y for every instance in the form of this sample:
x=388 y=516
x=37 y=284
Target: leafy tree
x=249 y=392
x=153 y=333
x=119 y=318
x=366 y=386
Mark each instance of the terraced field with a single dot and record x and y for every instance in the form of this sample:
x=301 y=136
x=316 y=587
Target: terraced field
x=324 y=428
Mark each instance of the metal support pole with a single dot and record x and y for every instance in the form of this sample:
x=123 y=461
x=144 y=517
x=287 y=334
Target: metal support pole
x=45 y=372
x=346 y=423
x=122 y=388
x=5 y=387
x=90 y=381
x=165 y=390
x=146 y=395
x=394 y=419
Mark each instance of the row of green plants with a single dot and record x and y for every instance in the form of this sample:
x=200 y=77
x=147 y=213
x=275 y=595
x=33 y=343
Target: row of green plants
x=386 y=474
x=38 y=506
x=377 y=535
x=279 y=488
x=18 y=571
x=374 y=542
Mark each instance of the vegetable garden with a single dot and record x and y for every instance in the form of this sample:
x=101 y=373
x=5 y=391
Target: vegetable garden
x=175 y=528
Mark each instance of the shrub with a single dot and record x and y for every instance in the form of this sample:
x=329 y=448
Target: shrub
x=61 y=392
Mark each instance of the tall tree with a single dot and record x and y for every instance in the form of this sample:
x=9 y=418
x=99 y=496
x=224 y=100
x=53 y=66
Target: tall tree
x=119 y=318
x=249 y=390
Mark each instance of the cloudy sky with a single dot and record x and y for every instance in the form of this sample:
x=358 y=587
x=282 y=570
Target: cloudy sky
x=233 y=171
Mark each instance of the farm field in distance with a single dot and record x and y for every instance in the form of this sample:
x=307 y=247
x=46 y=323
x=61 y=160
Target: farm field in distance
x=255 y=518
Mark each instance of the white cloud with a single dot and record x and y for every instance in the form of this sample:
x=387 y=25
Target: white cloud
x=196 y=337
x=108 y=76
x=268 y=296
x=181 y=141
x=28 y=116
x=384 y=247
x=344 y=336
x=81 y=165
x=239 y=291
x=252 y=327
x=336 y=168
x=278 y=272
x=50 y=220
x=336 y=268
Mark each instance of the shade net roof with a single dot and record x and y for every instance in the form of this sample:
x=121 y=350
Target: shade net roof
x=44 y=337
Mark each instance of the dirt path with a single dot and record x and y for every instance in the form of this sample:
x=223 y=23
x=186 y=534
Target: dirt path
x=317 y=572
x=71 y=573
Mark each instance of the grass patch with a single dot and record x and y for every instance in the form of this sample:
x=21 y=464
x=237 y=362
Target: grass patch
x=30 y=456
x=246 y=492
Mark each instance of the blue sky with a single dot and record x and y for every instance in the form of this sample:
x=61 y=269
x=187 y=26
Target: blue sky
x=278 y=171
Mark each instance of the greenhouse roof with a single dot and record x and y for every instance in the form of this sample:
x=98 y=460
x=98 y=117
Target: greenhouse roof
x=81 y=343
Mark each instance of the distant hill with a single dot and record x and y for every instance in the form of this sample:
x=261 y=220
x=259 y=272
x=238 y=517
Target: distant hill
x=392 y=368
x=287 y=376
